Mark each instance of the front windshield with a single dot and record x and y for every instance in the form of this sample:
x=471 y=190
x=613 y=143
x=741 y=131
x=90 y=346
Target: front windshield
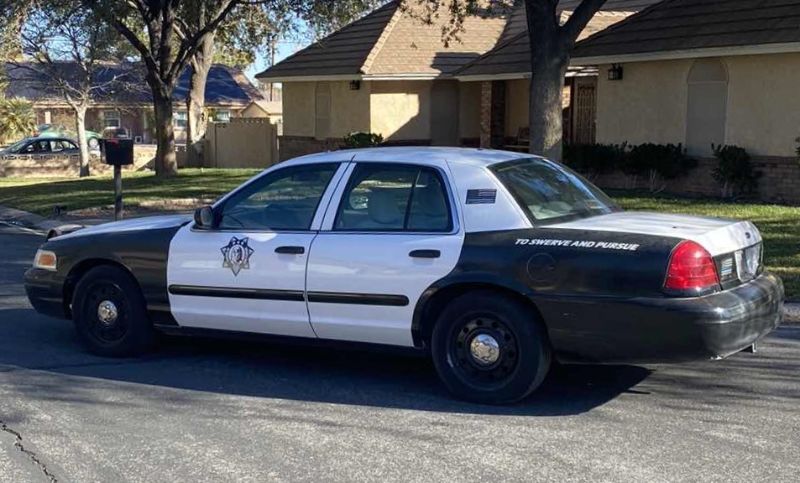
x=551 y=193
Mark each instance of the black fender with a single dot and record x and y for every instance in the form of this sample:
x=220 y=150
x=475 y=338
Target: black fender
x=421 y=324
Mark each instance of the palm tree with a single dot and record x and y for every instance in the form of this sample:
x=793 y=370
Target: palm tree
x=17 y=119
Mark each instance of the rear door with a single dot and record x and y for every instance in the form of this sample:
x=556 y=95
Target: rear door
x=248 y=273
x=390 y=232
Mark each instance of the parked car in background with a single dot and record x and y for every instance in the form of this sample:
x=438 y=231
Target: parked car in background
x=43 y=145
x=59 y=131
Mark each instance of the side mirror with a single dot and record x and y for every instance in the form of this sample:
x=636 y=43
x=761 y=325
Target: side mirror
x=204 y=217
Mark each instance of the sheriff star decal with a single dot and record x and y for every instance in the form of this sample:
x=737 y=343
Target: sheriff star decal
x=236 y=255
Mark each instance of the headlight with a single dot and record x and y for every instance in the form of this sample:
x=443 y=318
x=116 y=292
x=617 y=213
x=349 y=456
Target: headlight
x=45 y=260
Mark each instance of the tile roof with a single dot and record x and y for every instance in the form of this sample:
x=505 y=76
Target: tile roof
x=225 y=85
x=512 y=53
x=341 y=53
x=680 y=25
x=391 y=42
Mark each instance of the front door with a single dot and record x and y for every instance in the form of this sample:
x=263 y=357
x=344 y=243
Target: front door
x=393 y=234
x=247 y=273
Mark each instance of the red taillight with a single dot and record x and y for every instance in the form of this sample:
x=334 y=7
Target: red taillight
x=691 y=268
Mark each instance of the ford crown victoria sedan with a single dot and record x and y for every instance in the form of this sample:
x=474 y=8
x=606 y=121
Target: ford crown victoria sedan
x=495 y=263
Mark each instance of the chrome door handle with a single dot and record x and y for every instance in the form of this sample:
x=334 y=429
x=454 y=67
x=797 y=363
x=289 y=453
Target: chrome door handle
x=425 y=254
x=290 y=250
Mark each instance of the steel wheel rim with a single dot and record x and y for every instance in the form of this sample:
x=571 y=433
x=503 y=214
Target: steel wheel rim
x=106 y=330
x=483 y=372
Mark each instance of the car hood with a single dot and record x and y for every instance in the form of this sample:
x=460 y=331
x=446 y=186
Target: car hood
x=135 y=224
x=717 y=235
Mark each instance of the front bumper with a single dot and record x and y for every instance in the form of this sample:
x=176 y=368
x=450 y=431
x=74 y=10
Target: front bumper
x=664 y=329
x=45 y=292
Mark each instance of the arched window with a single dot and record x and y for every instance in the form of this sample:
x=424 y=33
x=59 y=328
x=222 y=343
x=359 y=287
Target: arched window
x=707 y=110
x=322 y=110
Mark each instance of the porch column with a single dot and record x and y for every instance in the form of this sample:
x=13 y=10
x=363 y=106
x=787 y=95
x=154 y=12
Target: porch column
x=486 y=114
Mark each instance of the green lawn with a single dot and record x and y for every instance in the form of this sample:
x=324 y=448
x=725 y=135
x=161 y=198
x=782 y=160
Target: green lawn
x=779 y=225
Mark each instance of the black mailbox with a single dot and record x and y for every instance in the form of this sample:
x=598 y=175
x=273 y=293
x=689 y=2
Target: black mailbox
x=117 y=152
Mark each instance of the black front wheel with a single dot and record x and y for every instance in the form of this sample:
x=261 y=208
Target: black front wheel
x=490 y=348
x=110 y=313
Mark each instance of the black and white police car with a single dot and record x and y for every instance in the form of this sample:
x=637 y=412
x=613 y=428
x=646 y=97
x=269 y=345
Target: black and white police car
x=494 y=262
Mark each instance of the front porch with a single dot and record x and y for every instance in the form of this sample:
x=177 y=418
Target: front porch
x=504 y=112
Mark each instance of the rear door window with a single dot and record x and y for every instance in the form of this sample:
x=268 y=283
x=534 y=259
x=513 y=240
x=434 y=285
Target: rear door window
x=394 y=198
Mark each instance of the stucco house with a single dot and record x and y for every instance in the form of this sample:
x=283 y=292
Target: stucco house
x=502 y=76
x=390 y=73
x=128 y=103
x=700 y=73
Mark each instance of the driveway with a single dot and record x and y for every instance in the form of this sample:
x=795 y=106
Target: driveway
x=223 y=411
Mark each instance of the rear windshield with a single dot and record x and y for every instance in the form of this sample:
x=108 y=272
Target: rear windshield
x=551 y=193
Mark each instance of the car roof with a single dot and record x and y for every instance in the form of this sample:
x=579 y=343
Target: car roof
x=410 y=154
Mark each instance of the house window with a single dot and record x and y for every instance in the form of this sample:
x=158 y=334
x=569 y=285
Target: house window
x=222 y=116
x=181 y=119
x=707 y=106
x=111 y=119
x=322 y=110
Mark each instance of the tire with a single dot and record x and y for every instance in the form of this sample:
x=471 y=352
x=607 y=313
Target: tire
x=472 y=366
x=130 y=332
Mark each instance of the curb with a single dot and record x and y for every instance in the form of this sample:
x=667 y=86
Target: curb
x=27 y=220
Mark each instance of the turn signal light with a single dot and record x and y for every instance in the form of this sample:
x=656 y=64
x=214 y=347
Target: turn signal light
x=45 y=260
x=691 y=269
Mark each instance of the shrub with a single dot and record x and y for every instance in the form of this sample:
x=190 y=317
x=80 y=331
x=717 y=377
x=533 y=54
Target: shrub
x=734 y=171
x=593 y=159
x=362 y=140
x=658 y=162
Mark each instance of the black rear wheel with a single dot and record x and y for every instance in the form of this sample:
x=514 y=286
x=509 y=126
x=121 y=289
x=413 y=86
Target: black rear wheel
x=110 y=313
x=490 y=348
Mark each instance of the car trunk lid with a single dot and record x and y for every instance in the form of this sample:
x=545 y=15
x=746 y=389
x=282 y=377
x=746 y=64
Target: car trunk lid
x=736 y=246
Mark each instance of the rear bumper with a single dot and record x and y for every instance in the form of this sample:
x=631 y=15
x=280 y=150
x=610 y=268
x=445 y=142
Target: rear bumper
x=665 y=329
x=45 y=292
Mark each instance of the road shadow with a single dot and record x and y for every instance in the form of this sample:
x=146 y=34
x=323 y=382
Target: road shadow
x=272 y=370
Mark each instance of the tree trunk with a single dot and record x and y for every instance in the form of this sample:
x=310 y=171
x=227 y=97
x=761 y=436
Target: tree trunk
x=166 y=163
x=546 y=111
x=549 y=62
x=83 y=143
x=196 y=101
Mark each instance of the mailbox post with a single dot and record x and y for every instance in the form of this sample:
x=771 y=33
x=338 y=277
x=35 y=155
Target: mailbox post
x=117 y=153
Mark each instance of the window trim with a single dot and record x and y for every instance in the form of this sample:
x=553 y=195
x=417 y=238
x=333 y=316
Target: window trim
x=117 y=116
x=257 y=181
x=443 y=179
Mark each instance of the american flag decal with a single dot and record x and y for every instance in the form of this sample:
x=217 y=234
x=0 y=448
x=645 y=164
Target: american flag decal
x=481 y=197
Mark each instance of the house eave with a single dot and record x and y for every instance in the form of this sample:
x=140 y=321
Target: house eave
x=494 y=77
x=361 y=77
x=761 y=49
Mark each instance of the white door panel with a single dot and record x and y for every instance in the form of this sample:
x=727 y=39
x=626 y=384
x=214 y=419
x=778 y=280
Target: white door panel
x=374 y=265
x=265 y=296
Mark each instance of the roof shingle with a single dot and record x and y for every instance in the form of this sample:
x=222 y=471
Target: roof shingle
x=512 y=55
x=680 y=25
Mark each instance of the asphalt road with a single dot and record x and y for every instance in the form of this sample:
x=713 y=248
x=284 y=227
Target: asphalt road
x=209 y=411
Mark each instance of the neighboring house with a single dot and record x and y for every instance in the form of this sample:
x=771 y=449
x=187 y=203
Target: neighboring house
x=129 y=104
x=390 y=73
x=700 y=73
x=262 y=108
x=386 y=73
